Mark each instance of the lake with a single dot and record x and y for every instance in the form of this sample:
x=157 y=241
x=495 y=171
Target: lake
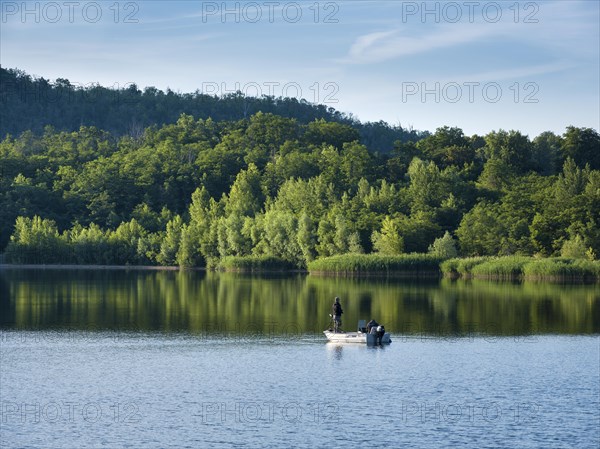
x=153 y=359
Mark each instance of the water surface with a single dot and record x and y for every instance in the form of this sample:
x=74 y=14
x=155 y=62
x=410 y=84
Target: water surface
x=162 y=359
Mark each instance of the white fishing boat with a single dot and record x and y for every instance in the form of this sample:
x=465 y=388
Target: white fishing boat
x=360 y=336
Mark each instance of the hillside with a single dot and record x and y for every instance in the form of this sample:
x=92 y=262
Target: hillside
x=31 y=103
x=198 y=190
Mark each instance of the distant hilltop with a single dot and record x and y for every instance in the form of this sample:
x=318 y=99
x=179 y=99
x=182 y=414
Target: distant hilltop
x=30 y=103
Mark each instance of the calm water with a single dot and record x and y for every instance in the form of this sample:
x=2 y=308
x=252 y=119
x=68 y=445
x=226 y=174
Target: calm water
x=163 y=359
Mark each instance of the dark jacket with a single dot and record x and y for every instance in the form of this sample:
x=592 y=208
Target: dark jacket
x=371 y=324
x=337 y=309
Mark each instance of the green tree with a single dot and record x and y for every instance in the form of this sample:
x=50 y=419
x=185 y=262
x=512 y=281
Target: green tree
x=330 y=162
x=582 y=145
x=510 y=147
x=171 y=241
x=126 y=243
x=281 y=236
x=36 y=240
x=426 y=186
x=546 y=153
x=236 y=241
x=90 y=244
x=447 y=146
x=388 y=240
x=307 y=238
x=444 y=247
x=497 y=174
x=481 y=230
x=355 y=164
x=574 y=248
x=321 y=132
x=325 y=238
x=401 y=156
x=188 y=255
x=245 y=196
x=418 y=230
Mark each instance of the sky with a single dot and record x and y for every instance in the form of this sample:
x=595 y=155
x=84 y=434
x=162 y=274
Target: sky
x=477 y=65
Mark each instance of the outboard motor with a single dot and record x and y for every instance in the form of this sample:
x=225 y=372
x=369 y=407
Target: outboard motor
x=380 y=333
x=372 y=336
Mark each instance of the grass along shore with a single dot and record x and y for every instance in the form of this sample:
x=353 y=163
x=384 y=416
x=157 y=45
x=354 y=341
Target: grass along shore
x=421 y=265
x=405 y=265
x=521 y=267
x=254 y=264
x=417 y=265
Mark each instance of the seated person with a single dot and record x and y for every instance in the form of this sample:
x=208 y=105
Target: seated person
x=371 y=325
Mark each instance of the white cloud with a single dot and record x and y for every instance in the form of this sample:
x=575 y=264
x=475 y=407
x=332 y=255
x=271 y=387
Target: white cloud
x=560 y=26
x=383 y=46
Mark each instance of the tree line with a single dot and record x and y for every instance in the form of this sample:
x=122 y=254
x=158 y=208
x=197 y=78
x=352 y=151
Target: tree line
x=196 y=191
x=30 y=103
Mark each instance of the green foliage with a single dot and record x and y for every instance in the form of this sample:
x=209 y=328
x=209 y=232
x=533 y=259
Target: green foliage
x=356 y=164
x=129 y=111
x=418 y=231
x=447 y=146
x=509 y=267
x=559 y=269
x=298 y=185
x=574 y=248
x=281 y=237
x=497 y=174
x=91 y=246
x=426 y=187
x=330 y=133
x=546 y=153
x=170 y=243
x=444 y=247
x=127 y=244
x=388 y=241
x=245 y=196
x=414 y=264
x=480 y=229
x=460 y=266
x=307 y=238
x=511 y=148
x=581 y=144
x=36 y=240
x=562 y=269
x=252 y=264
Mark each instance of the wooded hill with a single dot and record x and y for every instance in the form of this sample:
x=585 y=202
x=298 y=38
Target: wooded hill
x=200 y=189
x=31 y=103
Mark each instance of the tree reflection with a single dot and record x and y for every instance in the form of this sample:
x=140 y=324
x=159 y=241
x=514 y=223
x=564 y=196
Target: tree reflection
x=293 y=306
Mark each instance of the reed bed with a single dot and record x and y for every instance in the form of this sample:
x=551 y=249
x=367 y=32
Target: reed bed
x=349 y=264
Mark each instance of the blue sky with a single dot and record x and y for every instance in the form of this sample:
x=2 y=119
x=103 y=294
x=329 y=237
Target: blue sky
x=482 y=66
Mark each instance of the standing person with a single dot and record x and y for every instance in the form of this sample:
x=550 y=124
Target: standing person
x=337 y=314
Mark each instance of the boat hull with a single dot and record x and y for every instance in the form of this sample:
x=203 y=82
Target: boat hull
x=355 y=337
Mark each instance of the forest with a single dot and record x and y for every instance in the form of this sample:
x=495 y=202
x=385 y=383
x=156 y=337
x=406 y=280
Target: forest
x=32 y=103
x=292 y=184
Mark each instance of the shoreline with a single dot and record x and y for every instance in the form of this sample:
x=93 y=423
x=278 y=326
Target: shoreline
x=8 y=266
x=412 y=275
